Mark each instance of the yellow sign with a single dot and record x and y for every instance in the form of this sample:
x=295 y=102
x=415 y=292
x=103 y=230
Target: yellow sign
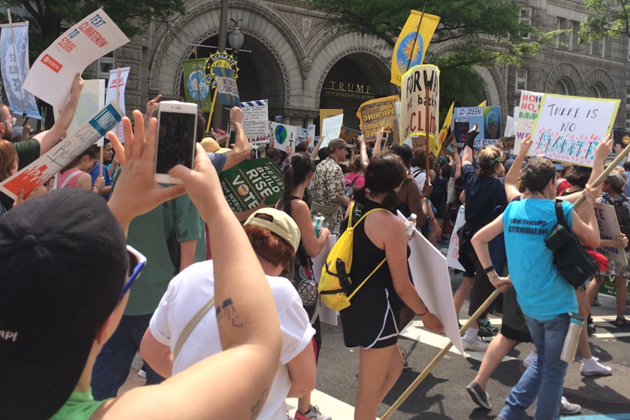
x=219 y=59
x=443 y=132
x=377 y=113
x=412 y=43
x=327 y=113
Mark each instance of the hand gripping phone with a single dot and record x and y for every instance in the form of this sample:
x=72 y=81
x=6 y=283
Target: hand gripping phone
x=177 y=135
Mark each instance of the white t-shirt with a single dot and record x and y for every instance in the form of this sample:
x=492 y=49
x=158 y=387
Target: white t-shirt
x=192 y=289
x=418 y=176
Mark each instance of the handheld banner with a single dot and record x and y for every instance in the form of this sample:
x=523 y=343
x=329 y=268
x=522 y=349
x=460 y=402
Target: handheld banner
x=375 y=114
x=196 y=86
x=488 y=120
x=57 y=158
x=412 y=43
x=609 y=229
x=413 y=97
x=285 y=136
x=528 y=111
x=452 y=258
x=331 y=129
x=52 y=75
x=248 y=183
x=14 y=64
x=569 y=128
x=256 y=121
x=226 y=85
x=92 y=99
x=327 y=113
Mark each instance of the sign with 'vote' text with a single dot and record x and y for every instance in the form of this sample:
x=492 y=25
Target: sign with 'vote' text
x=569 y=128
x=248 y=184
x=416 y=83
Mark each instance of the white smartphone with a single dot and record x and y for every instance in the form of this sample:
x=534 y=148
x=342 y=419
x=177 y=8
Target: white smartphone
x=177 y=135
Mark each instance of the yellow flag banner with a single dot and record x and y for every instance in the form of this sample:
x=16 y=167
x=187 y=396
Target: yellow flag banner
x=443 y=131
x=410 y=48
x=377 y=113
x=484 y=103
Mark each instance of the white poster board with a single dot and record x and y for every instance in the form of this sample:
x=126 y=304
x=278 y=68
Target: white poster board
x=609 y=229
x=413 y=97
x=432 y=282
x=284 y=136
x=525 y=115
x=326 y=314
x=569 y=128
x=53 y=72
x=57 y=158
x=256 y=121
x=452 y=258
x=91 y=100
x=116 y=92
x=331 y=129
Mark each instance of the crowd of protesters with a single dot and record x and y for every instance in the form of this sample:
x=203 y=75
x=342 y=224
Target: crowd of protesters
x=234 y=335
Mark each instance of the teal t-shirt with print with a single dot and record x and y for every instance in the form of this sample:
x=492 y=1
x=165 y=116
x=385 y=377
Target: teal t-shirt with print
x=80 y=406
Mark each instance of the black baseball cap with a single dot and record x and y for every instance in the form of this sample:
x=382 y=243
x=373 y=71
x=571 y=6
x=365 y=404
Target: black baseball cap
x=63 y=263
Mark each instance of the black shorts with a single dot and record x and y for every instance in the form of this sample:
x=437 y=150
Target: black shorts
x=468 y=265
x=371 y=321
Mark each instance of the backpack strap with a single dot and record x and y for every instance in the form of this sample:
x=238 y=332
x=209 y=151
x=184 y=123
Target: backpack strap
x=367 y=278
x=560 y=215
x=191 y=326
x=362 y=217
x=417 y=172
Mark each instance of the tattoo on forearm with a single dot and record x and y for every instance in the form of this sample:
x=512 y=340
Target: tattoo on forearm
x=226 y=311
x=257 y=407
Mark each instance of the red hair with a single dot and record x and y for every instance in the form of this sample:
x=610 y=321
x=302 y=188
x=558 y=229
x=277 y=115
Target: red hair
x=8 y=158
x=269 y=246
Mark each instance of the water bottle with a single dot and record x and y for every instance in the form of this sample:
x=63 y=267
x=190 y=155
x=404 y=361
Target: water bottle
x=411 y=224
x=573 y=337
x=318 y=223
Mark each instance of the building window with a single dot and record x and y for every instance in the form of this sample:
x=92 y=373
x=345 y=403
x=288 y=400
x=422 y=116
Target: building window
x=627 y=96
x=628 y=50
x=525 y=15
x=595 y=92
x=104 y=65
x=521 y=80
x=563 y=87
x=571 y=35
x=603 y=49
x=558 y=27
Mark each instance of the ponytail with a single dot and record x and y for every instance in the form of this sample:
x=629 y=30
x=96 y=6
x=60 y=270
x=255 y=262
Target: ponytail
x=296 y=169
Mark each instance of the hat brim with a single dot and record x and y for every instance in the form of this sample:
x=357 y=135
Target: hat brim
x=35 y=387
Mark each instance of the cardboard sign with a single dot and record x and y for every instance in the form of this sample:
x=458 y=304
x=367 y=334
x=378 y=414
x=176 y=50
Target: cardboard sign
x=432 y=282
x=412 y=44
x=91 y=100
x=452 y=258
x=528 y=110
x=15 y=68
x=569 y=128
x=57 y=158
x=116 y=92
x=327 y=113
x=246 y=184
x=375 y=114
x=331 y=129
x=285 y=136
x=52 y=75
x=256 y=121
x=609 y=229
x=413 y=97
x=488 y=120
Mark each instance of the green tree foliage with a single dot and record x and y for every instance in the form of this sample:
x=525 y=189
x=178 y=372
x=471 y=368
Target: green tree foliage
x=473 y=32
x=610 y=19
x=50 y=18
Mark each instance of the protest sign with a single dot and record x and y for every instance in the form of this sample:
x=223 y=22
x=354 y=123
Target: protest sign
x=412 y=44
x=326 y=314
x=444 y=131
x=91 y=100
x=528 y=111
x=348 y=134
x=416 y=83
x=569 y=128
x=256 y=121
x=226 y=85
x=331 y=129
x=219 y=60
x=432 y=282
x=327 y=113
x=15 y=67
x=57 y=158
x=116 y=92
x=609 y=229
x=621 y=138
x=196 y=86
x=452 y=258
x=284 y=136
x=248 y=183
x=52 y=75
x=377 y=113
x=509 y=127
x=488 y=120
x=310 y=134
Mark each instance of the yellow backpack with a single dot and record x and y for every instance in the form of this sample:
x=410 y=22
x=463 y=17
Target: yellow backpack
x=335 y=285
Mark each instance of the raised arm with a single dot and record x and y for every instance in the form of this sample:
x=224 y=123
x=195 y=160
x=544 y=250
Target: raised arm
x=456 y=159
x=467 y=157
x=315 y=151
x=47 y=139
x=604 y=148
x=365 y=161
x=511 y=178
x=240 y=151
x=377 y=144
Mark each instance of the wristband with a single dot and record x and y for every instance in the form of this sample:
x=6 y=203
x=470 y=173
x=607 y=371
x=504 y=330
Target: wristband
x=425 y=312
x=496 y=275
x=489 y=269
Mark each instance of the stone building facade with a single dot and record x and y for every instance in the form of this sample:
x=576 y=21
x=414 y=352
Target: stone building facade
x=291 y=58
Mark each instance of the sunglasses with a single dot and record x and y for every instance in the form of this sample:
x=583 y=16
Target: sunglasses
x=137 y=262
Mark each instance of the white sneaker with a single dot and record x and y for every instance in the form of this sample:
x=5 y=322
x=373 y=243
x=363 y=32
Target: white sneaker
x=595 y=368
x=569 y=408
x=476 y=345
